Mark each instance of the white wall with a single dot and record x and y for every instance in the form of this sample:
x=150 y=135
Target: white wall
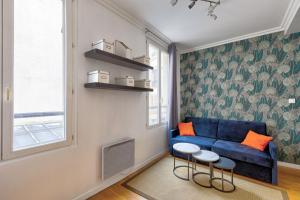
x=295 y=24
x=102 y=116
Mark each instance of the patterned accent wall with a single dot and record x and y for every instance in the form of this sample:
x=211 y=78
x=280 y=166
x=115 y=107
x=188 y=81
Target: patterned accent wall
x=248 y=80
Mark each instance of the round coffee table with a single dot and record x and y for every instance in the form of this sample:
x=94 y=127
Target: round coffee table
x=224 y=164
x=188 y=149
x=205 y=156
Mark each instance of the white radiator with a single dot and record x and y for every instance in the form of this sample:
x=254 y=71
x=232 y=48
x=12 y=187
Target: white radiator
x=117 y=157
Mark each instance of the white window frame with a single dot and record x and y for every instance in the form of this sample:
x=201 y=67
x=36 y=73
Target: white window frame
x=1 y=61
x=161 y=49
x=7 y=80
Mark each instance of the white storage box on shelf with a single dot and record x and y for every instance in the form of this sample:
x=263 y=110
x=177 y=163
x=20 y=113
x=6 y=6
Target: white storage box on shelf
x=142 y=83
x=143 y=59
x=121 y=49
x=98 y=76
x=104 y=46
x=127 y=81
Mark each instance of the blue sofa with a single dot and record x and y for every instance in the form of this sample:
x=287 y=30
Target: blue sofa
x=224 y=137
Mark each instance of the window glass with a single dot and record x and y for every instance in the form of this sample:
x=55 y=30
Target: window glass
x=164 y=85
x=39 y=73
x=153 y=107
x=159 y=77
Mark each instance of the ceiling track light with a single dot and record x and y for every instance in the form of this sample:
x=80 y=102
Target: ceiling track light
x=211 y=9
x=192 y=4
x=174 y=2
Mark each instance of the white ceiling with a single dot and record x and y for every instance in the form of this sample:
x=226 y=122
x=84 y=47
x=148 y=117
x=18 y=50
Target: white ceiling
x=193 y=28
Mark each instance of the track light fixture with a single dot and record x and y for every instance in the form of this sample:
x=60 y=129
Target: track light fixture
x=211 y=9
x=192 y=4
x=174 y=2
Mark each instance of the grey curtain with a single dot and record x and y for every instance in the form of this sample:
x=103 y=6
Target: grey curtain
x=173 y=104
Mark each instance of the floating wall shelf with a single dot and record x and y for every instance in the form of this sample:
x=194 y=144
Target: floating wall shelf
x=116 y=87
x=118 y=60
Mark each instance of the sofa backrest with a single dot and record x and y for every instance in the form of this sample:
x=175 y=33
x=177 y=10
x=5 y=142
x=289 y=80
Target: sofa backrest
x=205 y=127
x=236 y=131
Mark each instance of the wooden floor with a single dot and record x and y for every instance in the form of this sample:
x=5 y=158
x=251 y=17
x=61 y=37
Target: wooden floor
x=289 y=179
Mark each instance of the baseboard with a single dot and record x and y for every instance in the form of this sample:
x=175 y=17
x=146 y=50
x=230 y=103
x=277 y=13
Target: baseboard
x=289 y=165
x=109 y=182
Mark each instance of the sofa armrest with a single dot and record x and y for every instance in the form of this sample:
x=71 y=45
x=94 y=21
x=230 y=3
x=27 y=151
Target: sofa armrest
x=173 y=133
x=273 y=151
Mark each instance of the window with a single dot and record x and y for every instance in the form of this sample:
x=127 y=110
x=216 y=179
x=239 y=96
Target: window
x=158 y=99
x=37 y=76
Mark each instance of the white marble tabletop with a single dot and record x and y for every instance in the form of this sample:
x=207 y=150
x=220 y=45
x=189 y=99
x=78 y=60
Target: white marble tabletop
x=186 y=148
x=206 y=156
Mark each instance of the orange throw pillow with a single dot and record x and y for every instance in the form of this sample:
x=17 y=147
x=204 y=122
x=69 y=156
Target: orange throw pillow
x=256 y=141
x=186 y=129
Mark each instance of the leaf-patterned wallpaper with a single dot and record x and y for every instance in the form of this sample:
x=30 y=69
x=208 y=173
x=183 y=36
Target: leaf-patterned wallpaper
x=248 y=80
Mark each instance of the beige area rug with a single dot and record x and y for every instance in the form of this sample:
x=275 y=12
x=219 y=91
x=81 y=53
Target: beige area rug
x=159 y=183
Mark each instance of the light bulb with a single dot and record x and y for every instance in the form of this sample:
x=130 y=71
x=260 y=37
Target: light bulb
x=192 y=5
x=173 y=2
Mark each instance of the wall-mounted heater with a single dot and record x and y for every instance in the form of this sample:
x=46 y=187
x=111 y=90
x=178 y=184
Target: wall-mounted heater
x=117 y=157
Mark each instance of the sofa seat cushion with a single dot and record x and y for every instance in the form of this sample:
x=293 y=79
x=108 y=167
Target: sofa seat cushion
x=203 y=142
x=241 y=152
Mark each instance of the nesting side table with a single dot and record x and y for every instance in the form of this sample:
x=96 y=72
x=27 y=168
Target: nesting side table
x=208 y=157
x=188 y=149
x=224 y=164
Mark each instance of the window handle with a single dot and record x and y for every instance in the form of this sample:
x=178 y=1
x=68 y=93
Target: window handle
x=8 y=94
